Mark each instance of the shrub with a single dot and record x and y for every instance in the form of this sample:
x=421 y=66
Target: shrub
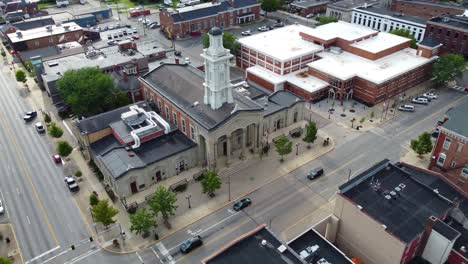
x=93 y=199
x=47 y=118
x=63 y=148
x=55 y=131
x=78 y=173
x=362 y=120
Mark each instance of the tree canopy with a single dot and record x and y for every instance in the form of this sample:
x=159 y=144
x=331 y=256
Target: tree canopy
x=20 y=76
x=311 y=133
x=104 y=213
x=447 y=67
x=164 y=202
x=229 y=42
x=63 y=148
x=270 y=5
x=406 y=34
x=54 y=130
x=141 y=222
x=423 y=144
x=5 y=260
x=89 y=91
x=283 y=146
x=326 y=19
x=210 y=182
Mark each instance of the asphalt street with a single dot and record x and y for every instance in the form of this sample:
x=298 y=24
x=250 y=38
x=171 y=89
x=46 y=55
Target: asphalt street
x=38 y=204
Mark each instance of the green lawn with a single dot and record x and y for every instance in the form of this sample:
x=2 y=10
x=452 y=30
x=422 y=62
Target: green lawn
x=45 y=5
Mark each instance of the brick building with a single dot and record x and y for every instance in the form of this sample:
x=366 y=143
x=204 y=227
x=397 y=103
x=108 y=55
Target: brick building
x=450 y=154
x=451 y=32
x=306 y=7
x=340 y=60
x=391 y=213
x=426 y=9
x=47 y=36
x=197 y=19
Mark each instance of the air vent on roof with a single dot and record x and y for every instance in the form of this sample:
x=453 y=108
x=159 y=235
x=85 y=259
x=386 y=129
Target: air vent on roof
x=19 y=34
x=282 y=248
x=384 y=227
x=52 y=63
x=359 y=207
x=402 y=185
x=388 y=197
x=445 y=19
x=264 y=242
x=67 y=28
x=436 y=191
x=195 y=103
x=398 y=189
x=49 y=28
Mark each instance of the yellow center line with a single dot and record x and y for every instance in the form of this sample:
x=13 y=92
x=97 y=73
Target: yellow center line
x=337 y=169
x=28 y=176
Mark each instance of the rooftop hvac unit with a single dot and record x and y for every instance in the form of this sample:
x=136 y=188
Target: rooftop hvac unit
x=264 y=242
x=67 y=28
x=445 y=19
x=282 y=248
x=336 y=50
x=19 y=34
x=49 y=28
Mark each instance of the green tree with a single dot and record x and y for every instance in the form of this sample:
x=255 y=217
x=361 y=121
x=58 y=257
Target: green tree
x=3 y=53
x=283 y=146
x=89 y=91
x=63 y=148
x=210 y=183
x=447 y=67
x=47 y=118
x=311 y=133
x=326 y=19
x=93 y=199
x=4 y=260
x=229 y=42
x=104 y=213
x=406 y=34
x=55 y=131
x=270 y=5
x=163 y=202
x=142 y=222
x=175 y=3
x=423 y=144
x=20 y=76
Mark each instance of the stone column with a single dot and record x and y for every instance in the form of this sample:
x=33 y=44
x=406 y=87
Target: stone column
x=215 y=154
x=228 y=149
x=244 y=137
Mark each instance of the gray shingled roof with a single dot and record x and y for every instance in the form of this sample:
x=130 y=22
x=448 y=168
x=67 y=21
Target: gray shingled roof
x=458 y=119
x=429 y=41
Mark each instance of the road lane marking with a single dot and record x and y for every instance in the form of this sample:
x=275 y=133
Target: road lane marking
x=154 y=251
x=29 y=221
x=41 y=255
x=58 y=255
x=17 y=191
x=84 y=217
x=4 y=206
x=28 y=176
x=83 y=256
x=139 y=257
x=337 y=169
x=303 y=218
x=165 y=253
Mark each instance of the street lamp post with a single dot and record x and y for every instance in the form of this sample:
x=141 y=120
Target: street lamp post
x=297 y=148
x=188 y=200
x=352 y=122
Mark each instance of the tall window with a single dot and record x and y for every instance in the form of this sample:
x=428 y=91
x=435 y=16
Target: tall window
x=168 y=116
x=447 y=143
x=192 y=133
x=183 y=126
x=174 y=118
x=441 y=159
x=159 y=106
x=464 y=172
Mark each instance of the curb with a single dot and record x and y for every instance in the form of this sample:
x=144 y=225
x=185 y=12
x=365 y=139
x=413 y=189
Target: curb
x=16 y=241
x=222 y=206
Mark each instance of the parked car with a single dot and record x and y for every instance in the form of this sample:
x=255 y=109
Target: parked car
x=191 y=244
x=187 y=60
x=177 y=53
x=264 y=28
x=110 y=27
x=406 y=108
x=135 y=37
x=71 y=184
x=246 y=33
x=430 y=95
x=111 y=42
x=134 y=30
x=420 y=100
x=120 y=34
x=109 y=37
x=423 y=97
x=29 y=116
x=435 y=133
x=115 y=35
x=57 y=159
x=278 y=24
x=39 y=128
x=125 y=32
x=315 y=173
x=311 y=15
x=241 y=204
x=154 y=25
x=2 y=209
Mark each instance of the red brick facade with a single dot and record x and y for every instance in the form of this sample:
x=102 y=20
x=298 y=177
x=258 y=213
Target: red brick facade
x=204 y=24
x=455 y=150
x=426 y=10
x=315 y=9
x=452 y=39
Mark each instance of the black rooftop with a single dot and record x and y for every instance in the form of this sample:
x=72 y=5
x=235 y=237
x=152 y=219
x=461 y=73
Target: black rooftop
x=458 y=119
x=248 y=250
x=35 y=23
x=325 y=250
x=386 y=12
x=429 y=41
x=396 y=199
x=445 y=230
x=216 y=31
x=183 y=85
x=454 y=21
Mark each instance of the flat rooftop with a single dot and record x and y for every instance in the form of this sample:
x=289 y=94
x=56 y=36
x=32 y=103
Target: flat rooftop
x=396 y=199
x=380 y=42
x=282 y=43
x=347 y=65
x=454 y=21
x=341 y=29
x=308 y=3
x=41 y=32
x=393 y=15
x=350 y=4
x=313 y=248
x=247 y=249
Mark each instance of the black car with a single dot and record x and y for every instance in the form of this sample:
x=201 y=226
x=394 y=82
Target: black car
x=29 y=116
x=315 y=173
x=191 y=244
x=241 y=204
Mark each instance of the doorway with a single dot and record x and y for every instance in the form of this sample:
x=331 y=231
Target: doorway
x=181 y=166
x=225 y=148
x=158 y=176
x=133 y=187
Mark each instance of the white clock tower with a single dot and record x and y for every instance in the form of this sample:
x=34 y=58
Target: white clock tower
x=218 y=88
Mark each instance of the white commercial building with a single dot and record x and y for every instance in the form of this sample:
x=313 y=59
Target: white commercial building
x=385 y=20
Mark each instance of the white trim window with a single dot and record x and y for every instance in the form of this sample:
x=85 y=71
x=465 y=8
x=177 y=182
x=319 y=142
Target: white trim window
x=174 y=118
x=464 y=172
x=192 y=132
x=447 y=142
x=168 y=115
x=159 y=106
x=441 y=159
x=183 y=126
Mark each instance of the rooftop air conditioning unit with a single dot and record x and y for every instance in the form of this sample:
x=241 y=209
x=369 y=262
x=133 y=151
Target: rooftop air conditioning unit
x=19 y=34
x=49 y=28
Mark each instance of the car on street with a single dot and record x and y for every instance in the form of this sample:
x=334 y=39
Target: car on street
x=187 y=60
x=424 y=97
x=406 y=108
x=191 y=244
x=278 y=24
x=109 y=37
x=135 y=37
x=110 y=27
x=311 y=15
x=241 y=204
x=430 y=95
x=112 y=42
x=2 y=209
x=71 y=184
x=29 y=116
x=264 y=28
x=39 y=128
x=57 y=159
x=315 y=173
x=246 y=33
x=419 y=100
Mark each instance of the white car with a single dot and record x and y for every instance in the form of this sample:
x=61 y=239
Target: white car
x=39 y=128
x=419 y=100
x=406 y=108
x=311 y=15
x=430 y=95
x=71 y=184
x=2 y=209
x=187 y=60
x=246 y=33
